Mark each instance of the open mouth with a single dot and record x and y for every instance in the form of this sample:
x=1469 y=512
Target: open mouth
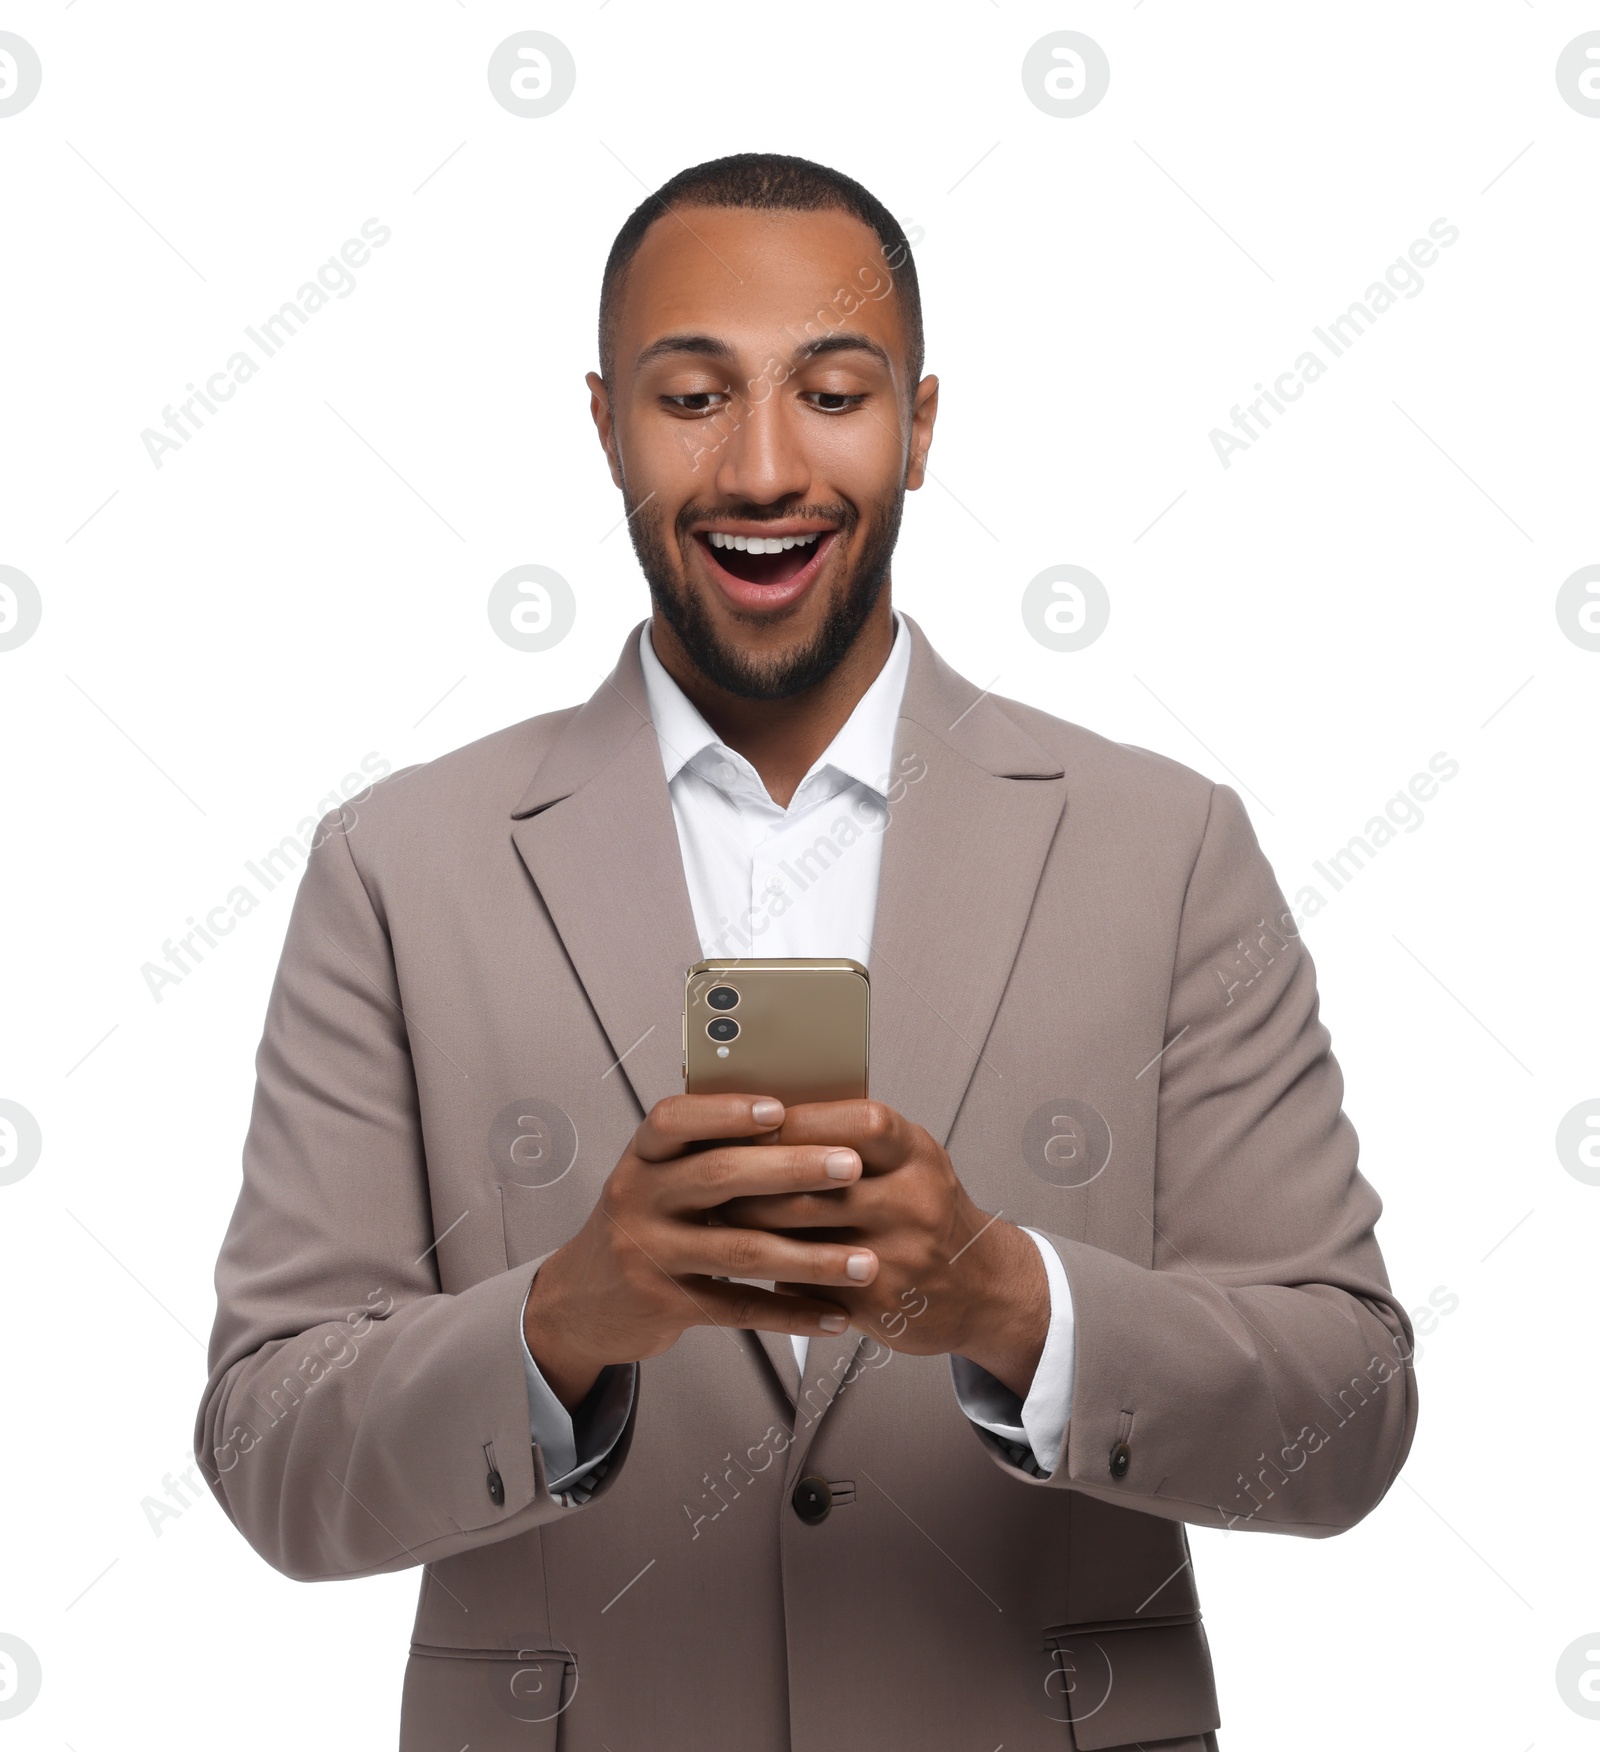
x=767 y=561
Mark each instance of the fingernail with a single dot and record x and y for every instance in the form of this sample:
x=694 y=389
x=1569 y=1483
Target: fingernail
x=840 y=1164
x=858 y=1265
x=766 y=1112
x=833 y=1323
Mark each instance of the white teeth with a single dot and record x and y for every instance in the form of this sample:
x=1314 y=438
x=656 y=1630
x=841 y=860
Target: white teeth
x=759 y=544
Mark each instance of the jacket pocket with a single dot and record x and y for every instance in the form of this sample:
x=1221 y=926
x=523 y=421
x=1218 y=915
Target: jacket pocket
x=1122 y=1685
x=497 y=1700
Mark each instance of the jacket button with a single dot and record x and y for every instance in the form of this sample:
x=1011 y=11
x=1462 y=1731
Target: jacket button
x=497 y=1488
x=1121 y=1459
x=812 y=1500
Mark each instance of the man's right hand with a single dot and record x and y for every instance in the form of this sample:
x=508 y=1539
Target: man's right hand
x=646 y=1263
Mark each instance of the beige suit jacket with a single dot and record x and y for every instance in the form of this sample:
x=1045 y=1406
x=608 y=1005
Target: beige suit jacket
x=1085 y=984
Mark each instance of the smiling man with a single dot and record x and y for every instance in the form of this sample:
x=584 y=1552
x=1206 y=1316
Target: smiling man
x=715 y=1423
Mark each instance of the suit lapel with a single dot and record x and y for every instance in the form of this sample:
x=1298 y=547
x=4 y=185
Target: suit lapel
x=776 y=1347
x=596 y=832
x=780 y=1354
x=962 y=856
x=830 y=1370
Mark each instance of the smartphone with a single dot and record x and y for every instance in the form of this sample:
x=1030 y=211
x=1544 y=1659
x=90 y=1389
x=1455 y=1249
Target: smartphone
x=790 y=1026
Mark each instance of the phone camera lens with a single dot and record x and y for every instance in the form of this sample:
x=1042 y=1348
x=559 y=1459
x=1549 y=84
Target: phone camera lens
x=724 y=1028
x=722 y=997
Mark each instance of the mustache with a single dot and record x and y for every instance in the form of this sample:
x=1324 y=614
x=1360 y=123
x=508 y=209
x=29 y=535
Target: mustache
x=841 y=517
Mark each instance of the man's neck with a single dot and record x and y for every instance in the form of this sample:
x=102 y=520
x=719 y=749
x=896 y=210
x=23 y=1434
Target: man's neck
x=783 y=738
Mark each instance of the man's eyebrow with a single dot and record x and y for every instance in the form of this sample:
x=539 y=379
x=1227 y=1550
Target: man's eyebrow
x=845 y=341
x=710 y=347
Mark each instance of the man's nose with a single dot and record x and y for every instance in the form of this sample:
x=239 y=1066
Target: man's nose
x=763 y=459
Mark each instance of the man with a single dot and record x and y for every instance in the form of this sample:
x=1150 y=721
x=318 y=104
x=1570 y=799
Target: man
x=716 y=1424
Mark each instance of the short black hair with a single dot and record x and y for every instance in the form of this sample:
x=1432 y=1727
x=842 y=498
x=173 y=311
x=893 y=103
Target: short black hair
x=773 y=181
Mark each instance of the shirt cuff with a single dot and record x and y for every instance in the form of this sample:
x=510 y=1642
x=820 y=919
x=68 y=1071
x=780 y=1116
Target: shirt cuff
x=1041 y=1419
x=575 y=1443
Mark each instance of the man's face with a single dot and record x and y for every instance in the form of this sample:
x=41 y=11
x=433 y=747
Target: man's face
x=760 y=391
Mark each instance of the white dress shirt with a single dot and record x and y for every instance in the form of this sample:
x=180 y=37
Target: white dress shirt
x=765 y=880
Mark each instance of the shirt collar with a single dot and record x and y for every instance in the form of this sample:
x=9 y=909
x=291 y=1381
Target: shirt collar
x=862 y=750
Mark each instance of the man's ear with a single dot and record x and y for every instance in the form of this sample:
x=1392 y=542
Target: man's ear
x=600 y=409
x=924 y=411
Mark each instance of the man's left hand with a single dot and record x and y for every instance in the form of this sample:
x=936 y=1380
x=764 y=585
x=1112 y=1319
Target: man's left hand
x=950 y=1278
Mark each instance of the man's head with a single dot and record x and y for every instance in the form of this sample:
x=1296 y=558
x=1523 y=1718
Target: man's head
x=761 y=377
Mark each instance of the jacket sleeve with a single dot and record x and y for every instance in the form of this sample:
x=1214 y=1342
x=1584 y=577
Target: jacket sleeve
x=1258 y=1374
x=356 y=1419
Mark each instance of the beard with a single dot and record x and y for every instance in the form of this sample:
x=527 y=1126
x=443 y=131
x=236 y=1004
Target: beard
x=792 y=672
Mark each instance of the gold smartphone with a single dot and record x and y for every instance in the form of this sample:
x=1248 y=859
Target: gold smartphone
x=790 y=1026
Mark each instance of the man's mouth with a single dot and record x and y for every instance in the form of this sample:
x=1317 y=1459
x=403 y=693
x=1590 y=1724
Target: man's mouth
x=757 y=571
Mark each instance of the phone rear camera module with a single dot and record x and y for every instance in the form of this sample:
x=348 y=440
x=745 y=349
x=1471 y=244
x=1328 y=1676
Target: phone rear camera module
x=723 y=1028
x=722 y=998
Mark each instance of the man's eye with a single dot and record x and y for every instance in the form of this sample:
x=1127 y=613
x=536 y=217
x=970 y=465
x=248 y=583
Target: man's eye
x=697 y=402
x=837 y=395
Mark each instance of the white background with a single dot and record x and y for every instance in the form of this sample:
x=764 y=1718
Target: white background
x=304 y=583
